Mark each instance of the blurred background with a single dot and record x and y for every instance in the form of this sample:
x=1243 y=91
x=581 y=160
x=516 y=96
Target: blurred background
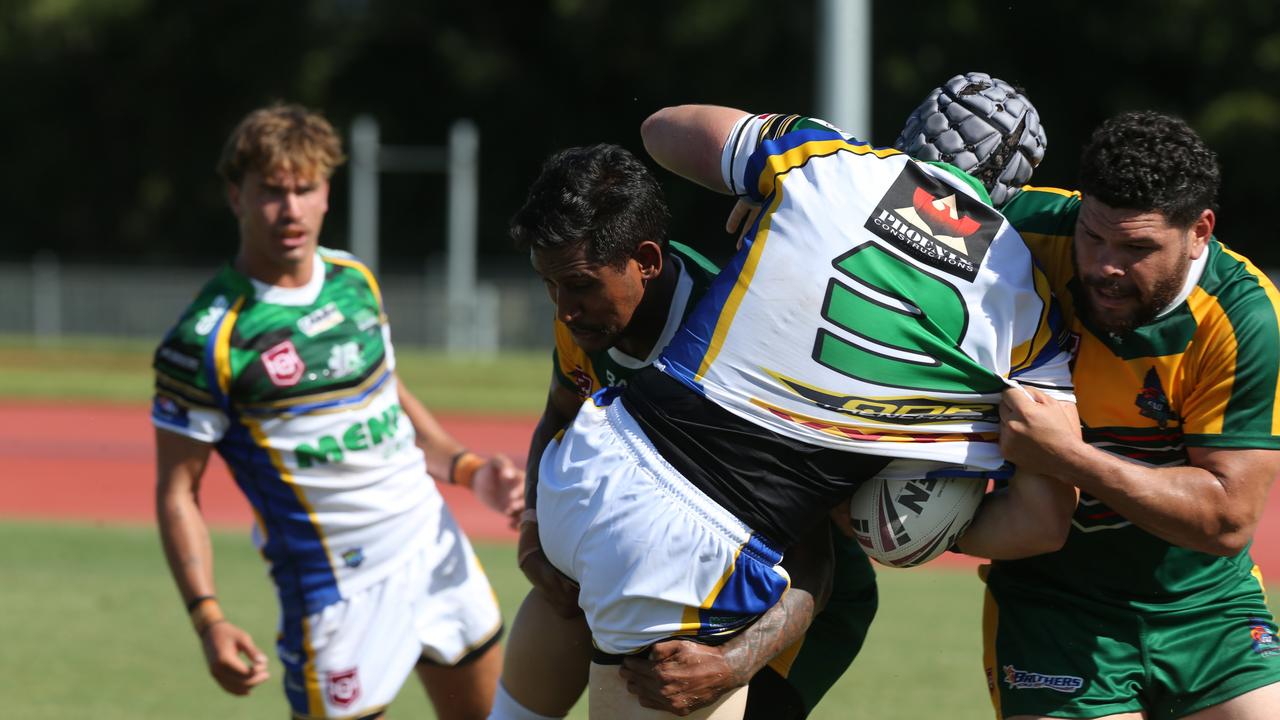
x=115 y=111
x=111 y=218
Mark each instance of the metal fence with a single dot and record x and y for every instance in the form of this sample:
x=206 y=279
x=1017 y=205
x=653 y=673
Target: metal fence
x=48 y=299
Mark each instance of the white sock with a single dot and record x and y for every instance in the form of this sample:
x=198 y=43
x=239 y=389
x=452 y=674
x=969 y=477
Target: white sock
x=505 y=707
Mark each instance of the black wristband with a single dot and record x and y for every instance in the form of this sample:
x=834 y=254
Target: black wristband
x=195 y=602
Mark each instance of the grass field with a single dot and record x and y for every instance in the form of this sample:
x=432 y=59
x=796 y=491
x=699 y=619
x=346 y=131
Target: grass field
x=92 y=627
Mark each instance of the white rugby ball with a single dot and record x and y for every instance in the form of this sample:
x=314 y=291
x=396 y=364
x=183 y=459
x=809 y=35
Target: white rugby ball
x=904 y=523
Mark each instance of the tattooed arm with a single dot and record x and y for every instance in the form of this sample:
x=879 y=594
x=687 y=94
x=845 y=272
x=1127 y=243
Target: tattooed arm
x=681 y=676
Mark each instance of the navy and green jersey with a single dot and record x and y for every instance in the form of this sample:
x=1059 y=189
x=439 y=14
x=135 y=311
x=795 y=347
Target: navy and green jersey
x=295 y=389
x=586 y=372
x=1204 y=373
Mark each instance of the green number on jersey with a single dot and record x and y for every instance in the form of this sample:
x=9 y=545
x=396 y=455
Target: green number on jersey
x=926 y=330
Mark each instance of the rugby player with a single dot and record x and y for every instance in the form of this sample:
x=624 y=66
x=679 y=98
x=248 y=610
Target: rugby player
x=595 y=223
x=981 y=124
x=738 y=441
x=283 y=364
x=1153 y=608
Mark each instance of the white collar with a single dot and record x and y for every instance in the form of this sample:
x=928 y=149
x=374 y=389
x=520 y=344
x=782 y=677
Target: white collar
x=296 y=296
x=1194 y=274
x=679 y=300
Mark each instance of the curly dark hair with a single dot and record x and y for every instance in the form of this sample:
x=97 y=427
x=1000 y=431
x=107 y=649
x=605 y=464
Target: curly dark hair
x=1150 y=161
x=599 y=197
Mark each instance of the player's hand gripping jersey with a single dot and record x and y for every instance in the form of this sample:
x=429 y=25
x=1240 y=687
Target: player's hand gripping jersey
x=1204 y=373
x=881 y=305
x=295 y=388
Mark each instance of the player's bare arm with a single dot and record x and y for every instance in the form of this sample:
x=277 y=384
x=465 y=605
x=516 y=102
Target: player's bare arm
x=496 y=481
x=1032 y=516
x=561 y=592
x=234 y=660
x=1211 y=505
x=687 y=140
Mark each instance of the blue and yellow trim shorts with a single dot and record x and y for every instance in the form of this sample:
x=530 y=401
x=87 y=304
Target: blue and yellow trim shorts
x=655 y=557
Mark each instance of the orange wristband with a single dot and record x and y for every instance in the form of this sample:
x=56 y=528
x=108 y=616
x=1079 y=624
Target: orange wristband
x=205 y=615
x=462 y=470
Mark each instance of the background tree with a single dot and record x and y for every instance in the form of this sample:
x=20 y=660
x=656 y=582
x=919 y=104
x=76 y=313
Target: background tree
x=115 y=109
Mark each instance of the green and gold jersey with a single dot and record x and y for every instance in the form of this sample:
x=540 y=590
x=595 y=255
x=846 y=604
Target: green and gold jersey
x=1204 y=373
x=295 y=389
x=586 y=372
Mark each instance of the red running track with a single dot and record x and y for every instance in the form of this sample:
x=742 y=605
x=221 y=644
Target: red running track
x=95 y=463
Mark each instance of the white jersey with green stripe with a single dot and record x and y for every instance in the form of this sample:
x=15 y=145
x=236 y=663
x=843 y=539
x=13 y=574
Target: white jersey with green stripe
x=878 y=305
x=296 y=390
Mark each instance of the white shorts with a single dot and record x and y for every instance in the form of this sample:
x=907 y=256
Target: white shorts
x=351 y=658
x=655 y=557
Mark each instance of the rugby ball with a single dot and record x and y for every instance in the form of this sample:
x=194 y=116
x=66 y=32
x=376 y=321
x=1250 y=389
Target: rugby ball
x=904 y=523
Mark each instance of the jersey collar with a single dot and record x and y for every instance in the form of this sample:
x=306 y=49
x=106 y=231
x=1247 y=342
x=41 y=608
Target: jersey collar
x=1193 y=278
x=679 y=301
x=299 y=296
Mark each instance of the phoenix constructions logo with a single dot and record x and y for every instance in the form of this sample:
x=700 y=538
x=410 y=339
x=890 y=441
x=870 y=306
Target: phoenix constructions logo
x=935 y=223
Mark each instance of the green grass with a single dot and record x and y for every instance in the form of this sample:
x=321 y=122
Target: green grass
x=92 y=627
x=112 y=370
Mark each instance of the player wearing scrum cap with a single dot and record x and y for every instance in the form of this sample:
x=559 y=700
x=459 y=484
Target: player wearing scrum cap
x=1000 y=142
x=747 y=432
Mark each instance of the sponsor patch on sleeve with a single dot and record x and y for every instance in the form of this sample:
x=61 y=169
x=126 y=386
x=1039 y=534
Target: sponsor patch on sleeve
x=168 y=411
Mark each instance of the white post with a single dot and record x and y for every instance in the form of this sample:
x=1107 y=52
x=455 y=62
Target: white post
x=46 y=297
x=460 y=281
x=844 y=65
x=470 y=321
x=363 y=225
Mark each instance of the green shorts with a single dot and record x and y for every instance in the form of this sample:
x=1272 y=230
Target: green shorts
x=790 y=686
x=1069 y=656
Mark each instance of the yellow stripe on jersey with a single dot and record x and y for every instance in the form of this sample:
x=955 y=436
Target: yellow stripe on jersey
x=990 y=624
x=1024 y=354
x=777 y=166
x=734 y=300
x=776 y=169
x=222 y=347
x=1211 y=409
x=1052 y=190
x=286 y=477
x=368 y=276
x=1053 y=252
x=573 y=359
x=178 y=390
x=285 y=404
x=1273 y=295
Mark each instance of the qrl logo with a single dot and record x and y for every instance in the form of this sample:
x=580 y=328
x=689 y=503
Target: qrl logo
x=284 y=365
x=344 y=687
